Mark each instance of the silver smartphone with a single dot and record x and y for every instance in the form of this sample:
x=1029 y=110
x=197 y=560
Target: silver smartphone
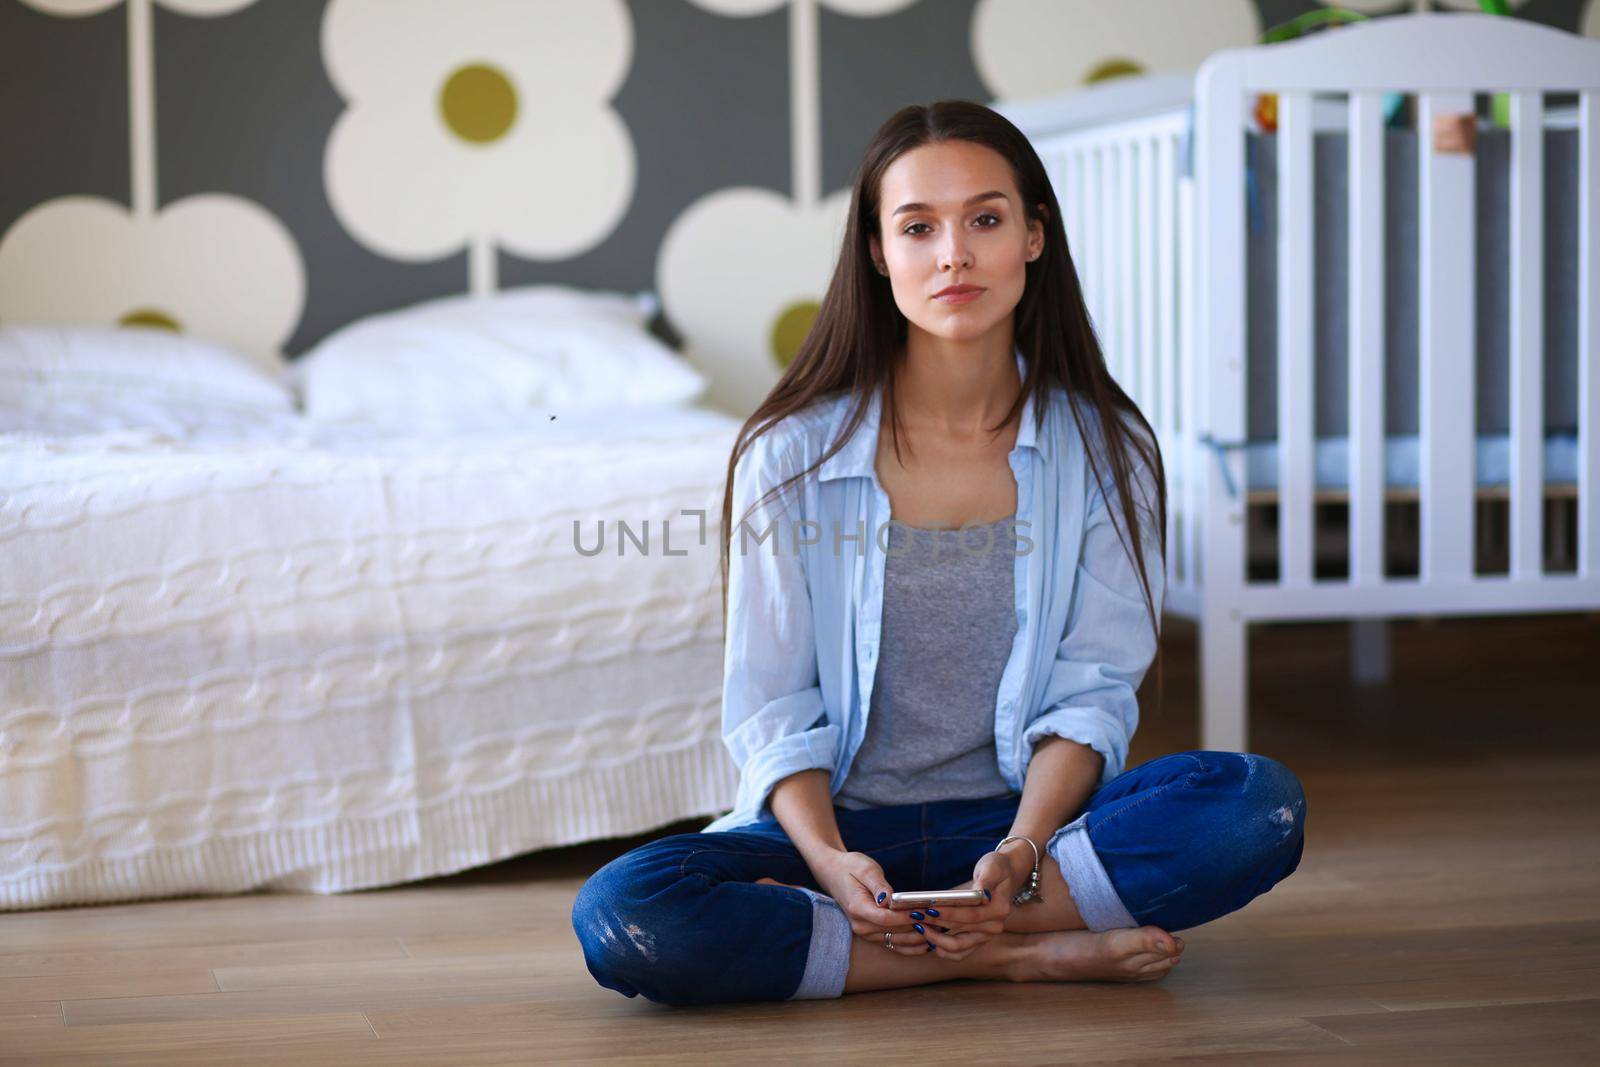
x=923 y=897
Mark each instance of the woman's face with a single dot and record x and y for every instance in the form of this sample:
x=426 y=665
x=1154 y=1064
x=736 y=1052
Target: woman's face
x=950 y=214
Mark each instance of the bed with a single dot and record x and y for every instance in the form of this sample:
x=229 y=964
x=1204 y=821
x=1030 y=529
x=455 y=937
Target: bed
x=1370 y=348
x=258 y=652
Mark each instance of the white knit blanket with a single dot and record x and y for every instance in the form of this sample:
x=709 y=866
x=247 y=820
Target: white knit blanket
x=291 y=657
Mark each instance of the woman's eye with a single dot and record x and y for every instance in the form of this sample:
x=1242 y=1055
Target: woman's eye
x=985 y=215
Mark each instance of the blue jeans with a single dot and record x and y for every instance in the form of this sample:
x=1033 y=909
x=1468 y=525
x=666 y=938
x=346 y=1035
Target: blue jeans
x=1175 y=842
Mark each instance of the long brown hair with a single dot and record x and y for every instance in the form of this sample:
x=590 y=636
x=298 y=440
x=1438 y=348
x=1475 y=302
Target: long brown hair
x=859 y=329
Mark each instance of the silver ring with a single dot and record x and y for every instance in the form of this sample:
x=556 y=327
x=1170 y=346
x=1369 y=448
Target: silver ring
x=887 y=935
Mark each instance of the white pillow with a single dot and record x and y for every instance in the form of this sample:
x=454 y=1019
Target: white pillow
x=44 y=366
x=537 y=348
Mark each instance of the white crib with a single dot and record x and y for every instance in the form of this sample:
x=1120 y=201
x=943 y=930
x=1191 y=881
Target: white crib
x=1162 y=252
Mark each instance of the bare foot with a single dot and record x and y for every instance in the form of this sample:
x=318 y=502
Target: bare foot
x=1139 y=954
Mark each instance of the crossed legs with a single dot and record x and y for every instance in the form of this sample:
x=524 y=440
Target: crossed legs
x=1177 y=842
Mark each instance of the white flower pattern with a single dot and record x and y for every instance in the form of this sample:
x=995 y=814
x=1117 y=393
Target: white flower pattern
x=742 y=272
x=472 y=124
x=1027 y=48
x=858 y=8
x=216 y=266
x=81 y=8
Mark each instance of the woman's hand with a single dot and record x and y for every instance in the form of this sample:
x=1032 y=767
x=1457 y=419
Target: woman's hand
x=856 y=882
x=966 y=928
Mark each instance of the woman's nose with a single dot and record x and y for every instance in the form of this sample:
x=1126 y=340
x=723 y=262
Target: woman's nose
x=955 y=254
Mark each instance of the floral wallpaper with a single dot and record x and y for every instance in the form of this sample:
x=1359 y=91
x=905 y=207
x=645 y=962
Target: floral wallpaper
x=261 y=172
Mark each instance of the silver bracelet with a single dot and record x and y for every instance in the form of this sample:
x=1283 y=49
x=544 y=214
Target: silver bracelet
x=1029 y=893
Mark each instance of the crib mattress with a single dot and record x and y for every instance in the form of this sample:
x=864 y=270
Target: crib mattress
x=313 y=659
x=1402 y=462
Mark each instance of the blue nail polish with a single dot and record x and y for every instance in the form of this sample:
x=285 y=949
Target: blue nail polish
x=881 y=896
x=930 y=948
x=919 y=928
x=934 y=912
x=988 y=894
x=916 y=915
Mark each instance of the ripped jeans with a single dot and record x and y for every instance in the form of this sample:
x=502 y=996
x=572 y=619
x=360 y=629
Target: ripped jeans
x=1175 y=842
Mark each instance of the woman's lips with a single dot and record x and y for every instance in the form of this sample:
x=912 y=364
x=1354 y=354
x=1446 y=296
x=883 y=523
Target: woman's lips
x=961 y=298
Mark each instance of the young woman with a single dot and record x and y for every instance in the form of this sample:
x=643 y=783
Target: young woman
x=941 y=593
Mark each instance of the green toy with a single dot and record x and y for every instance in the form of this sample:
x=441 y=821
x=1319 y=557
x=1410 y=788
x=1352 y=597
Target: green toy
x=1499 y=103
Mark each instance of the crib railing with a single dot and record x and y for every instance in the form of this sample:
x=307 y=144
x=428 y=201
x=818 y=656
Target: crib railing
x=1444 y=60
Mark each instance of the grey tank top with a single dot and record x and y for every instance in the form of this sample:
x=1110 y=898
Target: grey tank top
x=949 y=620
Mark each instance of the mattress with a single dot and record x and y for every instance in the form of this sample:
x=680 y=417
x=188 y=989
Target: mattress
x=271 y=654
x=1402 y=462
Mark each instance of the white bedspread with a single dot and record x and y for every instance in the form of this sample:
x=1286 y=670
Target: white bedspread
x=271 y=654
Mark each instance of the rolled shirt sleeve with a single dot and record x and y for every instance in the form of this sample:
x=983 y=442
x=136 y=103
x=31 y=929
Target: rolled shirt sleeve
x=774 y=722
x=1109 y=644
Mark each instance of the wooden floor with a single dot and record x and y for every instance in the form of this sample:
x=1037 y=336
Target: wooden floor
x=1447 y=910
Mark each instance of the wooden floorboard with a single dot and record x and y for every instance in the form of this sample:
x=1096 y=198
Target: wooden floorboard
x=1447 y=910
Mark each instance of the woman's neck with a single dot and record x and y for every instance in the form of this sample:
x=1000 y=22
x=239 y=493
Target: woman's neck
x=957 y=388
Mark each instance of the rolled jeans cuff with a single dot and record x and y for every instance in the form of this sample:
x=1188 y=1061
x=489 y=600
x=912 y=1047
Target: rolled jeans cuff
x=1086 y=877
x=828 y=959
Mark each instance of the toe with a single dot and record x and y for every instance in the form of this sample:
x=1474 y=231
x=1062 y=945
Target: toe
x=1158 y=940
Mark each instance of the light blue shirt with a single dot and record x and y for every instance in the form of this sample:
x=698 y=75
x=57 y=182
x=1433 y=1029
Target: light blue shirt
x=805 y=601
